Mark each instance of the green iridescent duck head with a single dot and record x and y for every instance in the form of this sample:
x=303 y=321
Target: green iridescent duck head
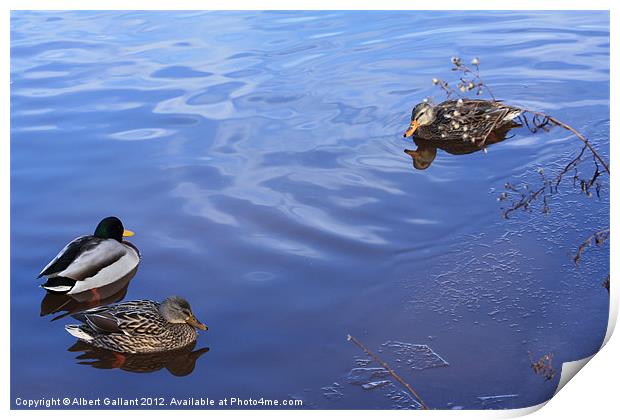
x=112 y=228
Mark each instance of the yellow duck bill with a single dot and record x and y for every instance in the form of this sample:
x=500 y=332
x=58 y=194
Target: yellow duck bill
x=196 y=324
x=412 y=128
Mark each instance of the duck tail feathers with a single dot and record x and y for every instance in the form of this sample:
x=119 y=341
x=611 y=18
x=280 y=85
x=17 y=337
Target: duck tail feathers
x=58 y=284
x=513 y=114
x=78 y=332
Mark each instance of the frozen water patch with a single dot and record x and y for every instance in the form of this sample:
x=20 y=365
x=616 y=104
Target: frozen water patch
x=496 y=401
x=415 y=356
x=371 y=379
x=377 y=383
x=333 y=392
x=401 y=399
x=365 y=376
x=401 y=357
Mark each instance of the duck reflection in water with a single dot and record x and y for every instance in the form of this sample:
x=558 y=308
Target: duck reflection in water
x=426 y=152
x=179 y=362
x=69 y=304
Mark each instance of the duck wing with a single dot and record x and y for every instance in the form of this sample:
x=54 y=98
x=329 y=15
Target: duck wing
x=67 y=255
x=87 y=256
x=479 y=116
x=130 y=318
x=474 y=109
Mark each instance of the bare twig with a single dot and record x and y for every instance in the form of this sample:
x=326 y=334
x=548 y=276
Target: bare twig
x=606 y=283
x=386 y=367
x=476 y=74
x=576 y=133
x=543 y=366
x=535 y=124
x=549 y=186
x=525 y=201
x=599 y=238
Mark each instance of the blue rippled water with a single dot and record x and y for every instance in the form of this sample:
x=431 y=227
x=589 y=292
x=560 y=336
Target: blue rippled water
x=259 y=158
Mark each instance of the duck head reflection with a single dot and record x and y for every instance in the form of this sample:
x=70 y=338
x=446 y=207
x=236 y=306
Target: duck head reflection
x=69 y=304
x=426 y=150
x=178 y=362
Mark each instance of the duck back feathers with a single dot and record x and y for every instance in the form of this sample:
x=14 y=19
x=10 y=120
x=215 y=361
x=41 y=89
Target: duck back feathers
x=470 y=120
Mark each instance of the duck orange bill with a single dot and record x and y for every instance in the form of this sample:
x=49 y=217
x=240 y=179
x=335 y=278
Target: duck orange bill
x=196 y=324
x=412 y=128
x=127 y=233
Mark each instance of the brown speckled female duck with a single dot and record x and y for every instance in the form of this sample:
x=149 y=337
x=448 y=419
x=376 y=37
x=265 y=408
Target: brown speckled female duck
x=463 y=119
x=138 y=326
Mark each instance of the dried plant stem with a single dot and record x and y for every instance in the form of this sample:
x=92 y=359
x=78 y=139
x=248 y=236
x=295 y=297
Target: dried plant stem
x=575 y=132
x=525 y=200
x=548 y=187
x=477 y=75
x=598 y=237
x=386 y=367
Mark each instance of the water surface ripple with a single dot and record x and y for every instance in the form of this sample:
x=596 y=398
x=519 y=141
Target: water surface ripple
x=259 y=157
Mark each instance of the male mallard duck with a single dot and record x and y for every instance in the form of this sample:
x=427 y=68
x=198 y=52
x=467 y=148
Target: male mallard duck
x=92 y=261
x=463 y=119
x=139 y=326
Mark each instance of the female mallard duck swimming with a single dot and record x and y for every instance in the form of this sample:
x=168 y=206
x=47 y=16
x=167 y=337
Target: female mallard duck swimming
x=92 y=261
x=139 y=326
x=463 y=119
x=426 y=152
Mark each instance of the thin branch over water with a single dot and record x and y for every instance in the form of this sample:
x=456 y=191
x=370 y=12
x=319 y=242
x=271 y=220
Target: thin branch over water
x=543 y=366
x=549 y=187
x=576 y=133
x=389 y=369
x=597 y=238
